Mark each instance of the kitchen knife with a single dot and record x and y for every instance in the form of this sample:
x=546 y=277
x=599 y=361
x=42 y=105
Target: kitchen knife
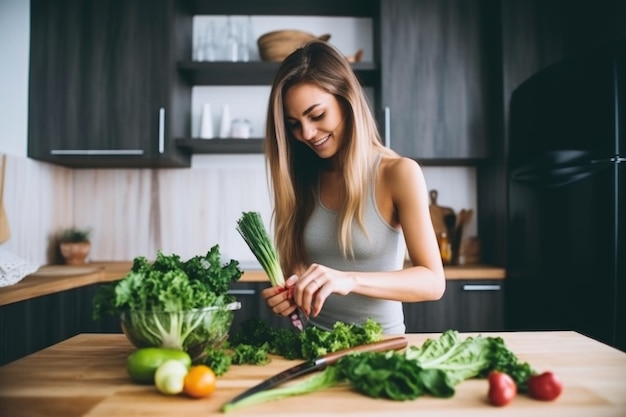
x=320 y=363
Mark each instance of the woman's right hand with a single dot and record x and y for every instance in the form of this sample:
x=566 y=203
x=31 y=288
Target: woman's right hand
x=280 y=299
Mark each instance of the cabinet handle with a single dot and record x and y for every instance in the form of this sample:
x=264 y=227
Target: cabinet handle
x=387 y=127
x=96 y=152
x=242 y=292
x=161 y=130
x=479 y=287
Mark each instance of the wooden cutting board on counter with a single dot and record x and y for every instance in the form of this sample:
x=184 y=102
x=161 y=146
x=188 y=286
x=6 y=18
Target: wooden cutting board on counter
x=86 y=376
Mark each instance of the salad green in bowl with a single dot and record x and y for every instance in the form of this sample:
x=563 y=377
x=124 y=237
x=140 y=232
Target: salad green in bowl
x=192 y=330
x=173 y=303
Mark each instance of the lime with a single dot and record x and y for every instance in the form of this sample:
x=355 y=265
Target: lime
x=143 y=363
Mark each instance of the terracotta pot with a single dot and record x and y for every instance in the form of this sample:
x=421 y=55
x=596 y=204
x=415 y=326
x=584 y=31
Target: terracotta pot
x=75 y=253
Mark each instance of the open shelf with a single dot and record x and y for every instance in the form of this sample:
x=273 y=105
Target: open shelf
x=222 y=145
x=254 y=72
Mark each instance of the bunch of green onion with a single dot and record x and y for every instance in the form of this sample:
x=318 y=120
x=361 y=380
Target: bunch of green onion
x=250 y=227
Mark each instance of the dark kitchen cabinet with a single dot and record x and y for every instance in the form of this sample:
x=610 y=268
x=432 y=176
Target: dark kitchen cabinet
x=467 y=306
x=103 y=88
x=253 y=305
x=433 y=76
x=31 y=325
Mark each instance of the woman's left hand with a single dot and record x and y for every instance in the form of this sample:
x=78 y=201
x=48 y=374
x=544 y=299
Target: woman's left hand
x=317 y=283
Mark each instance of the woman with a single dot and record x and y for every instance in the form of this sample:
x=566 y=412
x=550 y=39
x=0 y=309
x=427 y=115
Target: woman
x=345 y=207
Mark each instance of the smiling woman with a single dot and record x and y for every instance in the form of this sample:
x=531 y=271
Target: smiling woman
x=345 y=207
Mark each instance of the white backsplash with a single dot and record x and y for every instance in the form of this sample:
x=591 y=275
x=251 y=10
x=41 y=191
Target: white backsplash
x=136 y=212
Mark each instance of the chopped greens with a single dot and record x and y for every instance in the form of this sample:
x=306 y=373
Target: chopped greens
x=248 y=354
x=217 y=358
x=308 y=344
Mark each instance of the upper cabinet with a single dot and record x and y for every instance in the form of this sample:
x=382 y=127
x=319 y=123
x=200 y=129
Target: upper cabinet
x=434 y=85
x=103 y=90
x=112 y=83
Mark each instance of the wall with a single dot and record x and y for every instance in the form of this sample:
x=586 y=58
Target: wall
x=138 y=211
x=14 y=46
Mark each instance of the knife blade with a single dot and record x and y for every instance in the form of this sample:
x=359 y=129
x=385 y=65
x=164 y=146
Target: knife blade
x=395 y=343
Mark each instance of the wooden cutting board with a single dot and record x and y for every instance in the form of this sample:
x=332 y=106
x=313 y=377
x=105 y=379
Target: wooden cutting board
x=438 y=214
x=86 y=377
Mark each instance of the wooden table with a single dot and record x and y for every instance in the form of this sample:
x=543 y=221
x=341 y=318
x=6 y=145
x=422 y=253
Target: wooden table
x=85 y=376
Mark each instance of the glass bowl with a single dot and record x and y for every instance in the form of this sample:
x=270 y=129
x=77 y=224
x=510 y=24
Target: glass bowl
x=192 y=330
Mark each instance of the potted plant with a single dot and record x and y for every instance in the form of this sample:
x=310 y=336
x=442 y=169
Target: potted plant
x=75 y=245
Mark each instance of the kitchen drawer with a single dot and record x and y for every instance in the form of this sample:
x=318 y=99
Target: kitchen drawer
x=467 y=306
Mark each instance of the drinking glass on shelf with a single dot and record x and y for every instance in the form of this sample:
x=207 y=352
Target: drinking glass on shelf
x=232 y=40
x=211 y=41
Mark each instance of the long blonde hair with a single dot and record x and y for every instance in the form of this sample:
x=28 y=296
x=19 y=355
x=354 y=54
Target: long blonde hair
x=294 y=167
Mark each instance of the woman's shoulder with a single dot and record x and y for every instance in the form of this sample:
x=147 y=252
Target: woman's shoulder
x=394 y=168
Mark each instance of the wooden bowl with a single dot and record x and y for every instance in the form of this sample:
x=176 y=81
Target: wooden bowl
x=276 y=45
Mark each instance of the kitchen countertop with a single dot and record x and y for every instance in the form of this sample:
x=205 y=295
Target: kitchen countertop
x=85 y=376
x=55 y=278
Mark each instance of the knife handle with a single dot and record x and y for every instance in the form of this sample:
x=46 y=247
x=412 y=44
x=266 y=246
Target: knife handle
x=395 y=343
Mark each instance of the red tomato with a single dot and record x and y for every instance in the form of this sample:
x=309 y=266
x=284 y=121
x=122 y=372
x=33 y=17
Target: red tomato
x=502 y=388
x=546 y=386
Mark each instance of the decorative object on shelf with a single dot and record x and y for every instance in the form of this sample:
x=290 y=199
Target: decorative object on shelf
x=225 y=123
x=242 y=128
x=276 y=45
x=206 y=122
x=75 y=245
x=357 y=57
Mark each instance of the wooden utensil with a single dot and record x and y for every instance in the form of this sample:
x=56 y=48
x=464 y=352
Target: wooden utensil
x=438 y=214
x=462 y=220
x=5 y=233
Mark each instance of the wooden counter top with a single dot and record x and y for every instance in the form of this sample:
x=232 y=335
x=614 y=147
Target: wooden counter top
x=55 y=278
x=85 y=376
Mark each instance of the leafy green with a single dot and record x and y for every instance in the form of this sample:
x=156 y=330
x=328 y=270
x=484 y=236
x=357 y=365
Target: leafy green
x=250 y=227
x=387 y=375
x=459 y=359
x=310 y=343
x=435 y=368
x=248 y=354
x=218 y=359
x=317 y=342
x=326 y=379
x=502 y=359
x=171 y=303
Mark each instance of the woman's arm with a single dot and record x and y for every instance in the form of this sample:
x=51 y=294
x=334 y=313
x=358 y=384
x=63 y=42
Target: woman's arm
x=402 y=199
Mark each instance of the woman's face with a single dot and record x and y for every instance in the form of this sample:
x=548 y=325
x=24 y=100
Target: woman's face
x=315 y=118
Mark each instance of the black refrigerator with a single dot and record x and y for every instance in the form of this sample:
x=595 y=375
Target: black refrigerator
x=566 y=267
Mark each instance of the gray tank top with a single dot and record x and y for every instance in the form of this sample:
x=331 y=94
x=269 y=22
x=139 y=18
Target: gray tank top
x=382 y=249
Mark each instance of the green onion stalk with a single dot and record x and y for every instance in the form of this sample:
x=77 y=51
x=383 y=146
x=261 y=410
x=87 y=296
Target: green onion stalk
x=250 y=227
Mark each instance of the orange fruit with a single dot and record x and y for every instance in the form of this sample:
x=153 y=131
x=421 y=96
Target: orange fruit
x=199 y=382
